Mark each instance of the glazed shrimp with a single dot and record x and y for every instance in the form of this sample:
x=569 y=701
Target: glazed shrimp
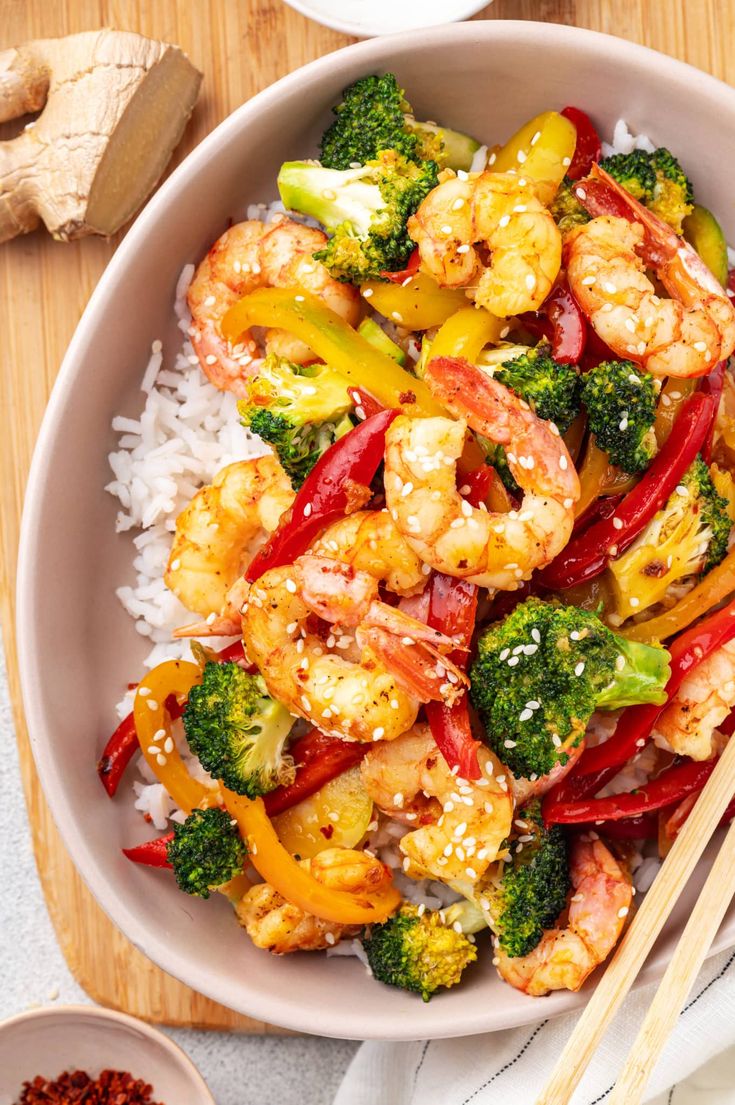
x=369 y=694
x=247 y=256
x=606 y=267
x=598 y=906
x=524 y=789
x=491 y=550
x=688 y=725
x=461 y=824
x=220 y=531
x=461 y=222
x=369 y=540
x=273 y=923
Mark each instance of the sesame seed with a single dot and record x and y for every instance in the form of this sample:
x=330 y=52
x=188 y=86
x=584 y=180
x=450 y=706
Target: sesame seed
x=609 y=287
x=503 y=221
x=579 y=668
x=168 y=745
x=700 y=346
x=210 y=359
x=446 y=229
x=378 y=733
x=367 y=293
x=513 y=661
x=152 y=704
x=623 y=911
x=464 y=248
x=588 y=281
x=160 y=759
x=617 y=523
x=471 y=874
x=290 y=586
x=521 y=156
x=634 y=601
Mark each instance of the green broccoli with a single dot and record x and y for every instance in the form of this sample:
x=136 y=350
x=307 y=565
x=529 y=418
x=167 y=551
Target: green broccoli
x=373 y=116
x=237 y=731
x=566 y=209
x=688 y=537
x=550 y=389
x=541 y=673
x=206 y=852
x=365 y=209
x=621 y=409
x=299 y=411
x=532 y=889
x=416 y=950
x=657 y=180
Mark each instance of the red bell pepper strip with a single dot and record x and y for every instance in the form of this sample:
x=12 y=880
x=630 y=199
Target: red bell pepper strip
x=453 y=610
x=644 y=826
x=597 y=512
x=318 y=758
x=587 y=555
x=412 y=267
x=337 y=485
x=670 y=786
x=366 y=405
x=122 y=746
x=153 y=853
x=588 y=148
x=561 y=322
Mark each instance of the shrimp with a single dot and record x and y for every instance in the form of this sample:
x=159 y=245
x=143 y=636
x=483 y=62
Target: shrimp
x=688 y=725
x=275 y=924
x=462 y=824
x=370 y=541
x=524 y=789
x=606 y=267
x=371 y=695
x=251 y=255
x=220 y=530
x=491 y=235
x=600 y=902
x=491 y=550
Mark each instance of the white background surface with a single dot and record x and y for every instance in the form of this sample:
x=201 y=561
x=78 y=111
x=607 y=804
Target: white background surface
x=269 y=1070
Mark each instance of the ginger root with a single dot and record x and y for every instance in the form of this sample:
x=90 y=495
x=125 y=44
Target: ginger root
x=116 y=105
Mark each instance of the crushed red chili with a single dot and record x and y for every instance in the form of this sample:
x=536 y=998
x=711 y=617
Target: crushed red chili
x=113 y=1087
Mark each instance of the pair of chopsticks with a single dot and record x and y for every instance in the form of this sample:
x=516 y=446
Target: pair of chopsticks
x=684 y=965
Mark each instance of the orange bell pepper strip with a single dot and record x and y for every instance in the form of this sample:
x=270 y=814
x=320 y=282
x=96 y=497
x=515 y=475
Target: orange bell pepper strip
x=716 y=586
x=673 y=395
x=153 y=727
x=278 y=867
x=598 y=477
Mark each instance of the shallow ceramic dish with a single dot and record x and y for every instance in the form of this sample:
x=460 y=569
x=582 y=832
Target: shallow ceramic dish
x=78 y=648
x=365 y=18
x=82 y=1037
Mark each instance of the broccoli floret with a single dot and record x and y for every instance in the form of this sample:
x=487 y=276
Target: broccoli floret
x=237 y=731
x=550 y=389
x=621 y=410
x=688 y=537
x=374 y=115
x=540 y=674
x=532 y=889
x=299 y=411
x=657 y=180
x=566 y=209
x=417 y=952
x=206 y=852
x=365 y=210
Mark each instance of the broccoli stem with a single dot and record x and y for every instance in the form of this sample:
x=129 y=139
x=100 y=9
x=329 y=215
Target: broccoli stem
x=640 y=679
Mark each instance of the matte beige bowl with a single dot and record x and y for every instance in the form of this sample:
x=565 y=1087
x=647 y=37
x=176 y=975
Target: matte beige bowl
x=78 y=648
x=81 y=1037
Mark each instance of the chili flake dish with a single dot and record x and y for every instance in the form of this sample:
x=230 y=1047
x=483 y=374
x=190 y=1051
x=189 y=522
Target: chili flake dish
x=460 y=655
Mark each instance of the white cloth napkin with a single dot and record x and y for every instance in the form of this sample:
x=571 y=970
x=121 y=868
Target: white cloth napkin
x=511 y=1068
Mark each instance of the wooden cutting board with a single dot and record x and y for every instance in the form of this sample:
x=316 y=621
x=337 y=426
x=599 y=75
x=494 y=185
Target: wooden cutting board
x=241 y=46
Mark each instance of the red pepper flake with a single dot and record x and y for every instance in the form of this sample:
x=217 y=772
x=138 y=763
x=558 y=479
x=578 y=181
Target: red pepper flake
x=327 y=831
x=113 y=1087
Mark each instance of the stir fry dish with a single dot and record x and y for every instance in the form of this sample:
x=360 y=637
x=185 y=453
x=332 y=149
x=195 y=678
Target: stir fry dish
x=474 y=572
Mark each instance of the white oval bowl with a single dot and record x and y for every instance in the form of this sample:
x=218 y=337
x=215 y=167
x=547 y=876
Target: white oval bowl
x=77 y=646
x=384 y=17
x=84 y=1037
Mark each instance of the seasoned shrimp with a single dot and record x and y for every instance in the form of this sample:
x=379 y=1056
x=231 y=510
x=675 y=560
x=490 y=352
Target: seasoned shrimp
x=491 y=550
x=221 y=529
x=688 y=724
x=491 y=235
x=600 y=902
x=275 y=924
x=247 y=256
x=373 y=694
x=524 y=789
x=461 y=824
x=370 y=541
x=606 y=266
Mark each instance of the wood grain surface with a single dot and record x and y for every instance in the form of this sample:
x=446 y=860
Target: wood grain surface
x=241 y=46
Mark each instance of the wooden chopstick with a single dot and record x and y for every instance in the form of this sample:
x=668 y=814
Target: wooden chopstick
x=640 y=937
x=700 y=931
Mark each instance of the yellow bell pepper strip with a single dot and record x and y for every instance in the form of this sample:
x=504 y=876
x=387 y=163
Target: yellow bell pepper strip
x=334 y=341
x=153 y=726
x=466 y=333
x=598 y=477
x=297 y=885
x=716 y=586
x=417 y=305
x=670 y=401
x=542 y=151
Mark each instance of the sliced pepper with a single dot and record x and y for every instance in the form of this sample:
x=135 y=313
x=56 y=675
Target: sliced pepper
x=672 y=397
x=338 y=484
x=117 y=754
x=318 y=759
x=713 y=588
x=418 y=305
x=541 y=150
x=484 y=485
x=598 y=477
x=560 y=321
x=466 y=333
x=404 y=274
x=153 y=853
x=297 y=885
x=587 y=555
x=334 y=341
x=588 y=148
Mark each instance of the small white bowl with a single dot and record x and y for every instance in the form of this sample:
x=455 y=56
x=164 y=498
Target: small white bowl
x=369 y=18
x=80 y=1037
